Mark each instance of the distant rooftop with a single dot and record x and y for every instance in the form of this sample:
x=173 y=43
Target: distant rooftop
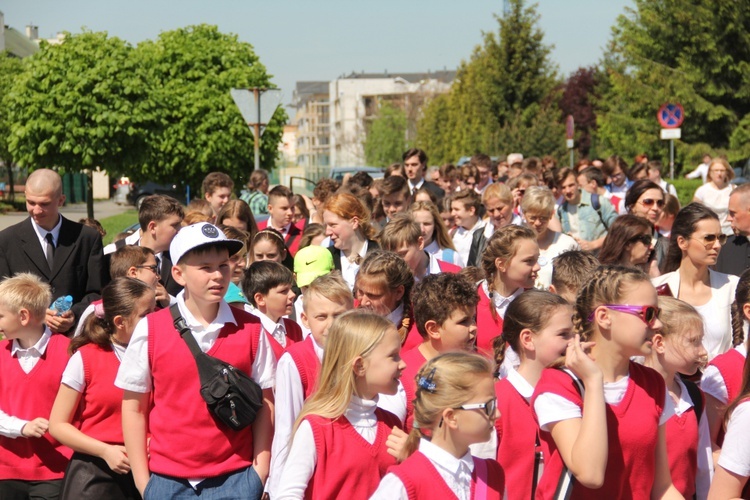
x=444 y=76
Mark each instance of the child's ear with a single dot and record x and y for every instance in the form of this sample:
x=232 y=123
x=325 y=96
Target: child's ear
x=500 y=264
x=552 y=289
x=602 y=317
x=131 y=272
x=449 y=419
x=659 y=344
x=303 y=318
x=526 y=339
x=421 y=243
x=400 y=292
x=358 y=366
x=178 y=276
x=119 y=321
x=746 y=311
x=260 y=299
x=433 y=329
x=151 y=226
x=24 y=316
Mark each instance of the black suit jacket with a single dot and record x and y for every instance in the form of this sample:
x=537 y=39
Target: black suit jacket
x=434 y=189
x=78 y=268
x=371 y=246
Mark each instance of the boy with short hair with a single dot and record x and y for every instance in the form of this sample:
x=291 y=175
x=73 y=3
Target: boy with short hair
x=569 y=271
x=268 y=287
x=394 y=196
x=217 y=190
x=465 y=207
x=281 y=212
x=31 y=467
x=191 y=453
x=326 y=298
x=445 y=308
x=403 y=236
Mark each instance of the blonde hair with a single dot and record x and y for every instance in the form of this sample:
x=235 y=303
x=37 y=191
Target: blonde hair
x=538 y=199
x=330 y=286
x=440 y=233
x=26 y=291
x=498 y=191
x=725 y=164
x=606 y=286
x=352 y=335
x=678 y=316
x=388 y=270
x=401 y=229
x=454 y=375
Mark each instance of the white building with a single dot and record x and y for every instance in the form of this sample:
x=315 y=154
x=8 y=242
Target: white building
x=356 y=98
x=313 y=151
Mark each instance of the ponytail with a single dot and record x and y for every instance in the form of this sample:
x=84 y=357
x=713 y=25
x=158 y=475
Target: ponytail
x=741 y=297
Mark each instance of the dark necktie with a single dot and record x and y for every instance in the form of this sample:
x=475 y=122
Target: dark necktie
x=158 y=265
x=50 y=251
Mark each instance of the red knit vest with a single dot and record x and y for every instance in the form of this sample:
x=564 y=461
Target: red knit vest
x=632 y=426
x=730 y=365
x=348 y=466
x=489 y=324
x=414 y=361
x=29 y=396
x=516 y=451
x=100 y=408
x=447 y=267
x=413 y=338
x=293 y=335
x=307 y=363
x=682 y=451
x=422 y=480
x=186 y=440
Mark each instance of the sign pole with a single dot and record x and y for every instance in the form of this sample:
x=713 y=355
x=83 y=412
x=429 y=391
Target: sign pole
x=256 y=128
x=569 y=135
x=671 y=159
x=257 y=106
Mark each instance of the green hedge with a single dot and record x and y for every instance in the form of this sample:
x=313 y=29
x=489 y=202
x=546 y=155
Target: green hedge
x=686 y=189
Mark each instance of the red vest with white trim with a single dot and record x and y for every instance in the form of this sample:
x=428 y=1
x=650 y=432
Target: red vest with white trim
x=29 y=396
x=186 y=440
x=682 y=450
x=730 y=365
x=293 y=335
x=307 y=363
x=348 y=466
x=489 y=324
x=100 y=408
x=414 y=361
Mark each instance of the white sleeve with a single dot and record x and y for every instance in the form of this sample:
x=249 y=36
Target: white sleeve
x=699 y=193
x=695 y=173
x=74 y=376
x=551 y=408
x=390 y=488
x=135 y=370
x=289 y=400
x=264 y=363
x=395 y=403
x=11 y=426
x=85 y=314
x=735 y=454
x=705 y=473
x=712 y=383
x=300 y=464
x=667 y=411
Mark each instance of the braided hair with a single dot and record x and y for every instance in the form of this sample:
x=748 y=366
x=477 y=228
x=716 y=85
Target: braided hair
x=741 y=297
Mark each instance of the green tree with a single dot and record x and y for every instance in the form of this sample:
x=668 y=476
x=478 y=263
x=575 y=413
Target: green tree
x=695 y=52
x=506 y=78
x=78 y=106
x=189 y=72
x=10 y=70
x=386 y=137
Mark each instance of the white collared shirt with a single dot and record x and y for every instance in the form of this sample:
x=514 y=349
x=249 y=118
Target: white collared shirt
x=41 y=233
x=284 y=230
x=74 y=375
x=501 y=303
x=462 y=238
x=277 y=330
x=349 y=269
x=135 y=370
x=456 y=472
x=520 y=384
x=397 y=315
x=416 y=186
x=131 y=239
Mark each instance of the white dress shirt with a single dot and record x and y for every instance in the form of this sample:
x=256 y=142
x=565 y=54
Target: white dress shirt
x=277 y=330
x=74 y=375
x=462 y=238
x=41 y=233
x=349 y=269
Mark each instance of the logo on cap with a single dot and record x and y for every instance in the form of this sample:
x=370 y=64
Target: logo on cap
x=210 y=231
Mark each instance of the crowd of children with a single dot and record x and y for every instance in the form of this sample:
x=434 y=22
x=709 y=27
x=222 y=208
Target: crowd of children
x=382 y=365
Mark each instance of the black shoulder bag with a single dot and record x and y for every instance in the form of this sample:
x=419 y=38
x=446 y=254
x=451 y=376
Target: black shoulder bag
x=233 y=397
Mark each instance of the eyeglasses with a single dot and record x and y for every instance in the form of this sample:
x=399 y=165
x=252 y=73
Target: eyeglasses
x=489 y=407
x=153 y=268
x=648 y=314
x=643 y=238
x=648 y=202
x=709 y=240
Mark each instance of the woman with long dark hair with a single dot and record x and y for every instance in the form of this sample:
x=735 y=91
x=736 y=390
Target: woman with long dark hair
x=646 y=199
x=628 y=243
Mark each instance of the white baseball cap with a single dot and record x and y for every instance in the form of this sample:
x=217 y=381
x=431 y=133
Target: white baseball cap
x=200 y=235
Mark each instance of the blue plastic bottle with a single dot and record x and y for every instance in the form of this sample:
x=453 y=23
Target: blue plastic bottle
x=62 y=304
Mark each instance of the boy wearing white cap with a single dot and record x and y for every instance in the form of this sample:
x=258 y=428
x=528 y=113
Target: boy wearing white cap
x=190 y=453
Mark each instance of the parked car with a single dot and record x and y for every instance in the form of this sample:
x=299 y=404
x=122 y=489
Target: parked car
x=139 y=191
x=338 y=173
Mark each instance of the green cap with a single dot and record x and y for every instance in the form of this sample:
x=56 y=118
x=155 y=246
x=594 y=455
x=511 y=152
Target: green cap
x=311 y=262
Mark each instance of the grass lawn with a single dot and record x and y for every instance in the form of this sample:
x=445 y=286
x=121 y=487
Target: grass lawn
x=117 y=223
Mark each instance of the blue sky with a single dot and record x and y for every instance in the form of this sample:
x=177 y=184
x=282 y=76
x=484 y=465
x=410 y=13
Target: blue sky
x=322 y=39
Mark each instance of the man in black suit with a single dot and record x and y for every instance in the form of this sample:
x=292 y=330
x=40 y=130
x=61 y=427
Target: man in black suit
x=415 y=166
x=63 y=253
x=734 y=257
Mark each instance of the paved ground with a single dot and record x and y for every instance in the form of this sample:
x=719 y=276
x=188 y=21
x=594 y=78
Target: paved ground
x=102 y=209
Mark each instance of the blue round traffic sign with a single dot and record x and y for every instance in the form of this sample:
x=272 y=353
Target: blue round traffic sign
x=670 y=115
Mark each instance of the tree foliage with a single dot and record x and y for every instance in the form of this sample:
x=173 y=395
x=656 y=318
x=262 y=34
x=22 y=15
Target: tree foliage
x=695 y=52
x=386 y=137
x=578 y=99
x=496 y=92
x=199 y=129
x=10 y=70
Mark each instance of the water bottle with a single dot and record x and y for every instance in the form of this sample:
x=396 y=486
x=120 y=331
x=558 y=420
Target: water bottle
x=62 y=304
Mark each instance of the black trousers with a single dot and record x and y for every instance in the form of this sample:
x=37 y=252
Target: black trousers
x=12 y=489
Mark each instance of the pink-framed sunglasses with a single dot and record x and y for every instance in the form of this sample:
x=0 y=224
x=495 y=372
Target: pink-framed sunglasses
x=648 y=314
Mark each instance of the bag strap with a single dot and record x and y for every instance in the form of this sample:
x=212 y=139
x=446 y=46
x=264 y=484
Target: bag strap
x=566 y=481
x=696 y=396
x=185 y=333
x=480 y=489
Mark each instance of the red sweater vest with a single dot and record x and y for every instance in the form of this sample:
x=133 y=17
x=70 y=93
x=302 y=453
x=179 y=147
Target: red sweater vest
x=307 y=363
x=293 y=335
x=29 y=396
x=489 y=324
x=414 y=361
x=516 y=451
x=186 y=440
x=633 y=428
x=421 y=479
x=292 y=237
x=447 y=267
x=730 y=365
x=348 y=466
x=100 y=408
x=682 y=451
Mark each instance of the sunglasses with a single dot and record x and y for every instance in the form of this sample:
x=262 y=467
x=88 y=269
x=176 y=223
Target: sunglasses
x=151 y=268
x=648 y=314
x=709 y=240
x=648 y=202
x=643 y=238
x=489 y=407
